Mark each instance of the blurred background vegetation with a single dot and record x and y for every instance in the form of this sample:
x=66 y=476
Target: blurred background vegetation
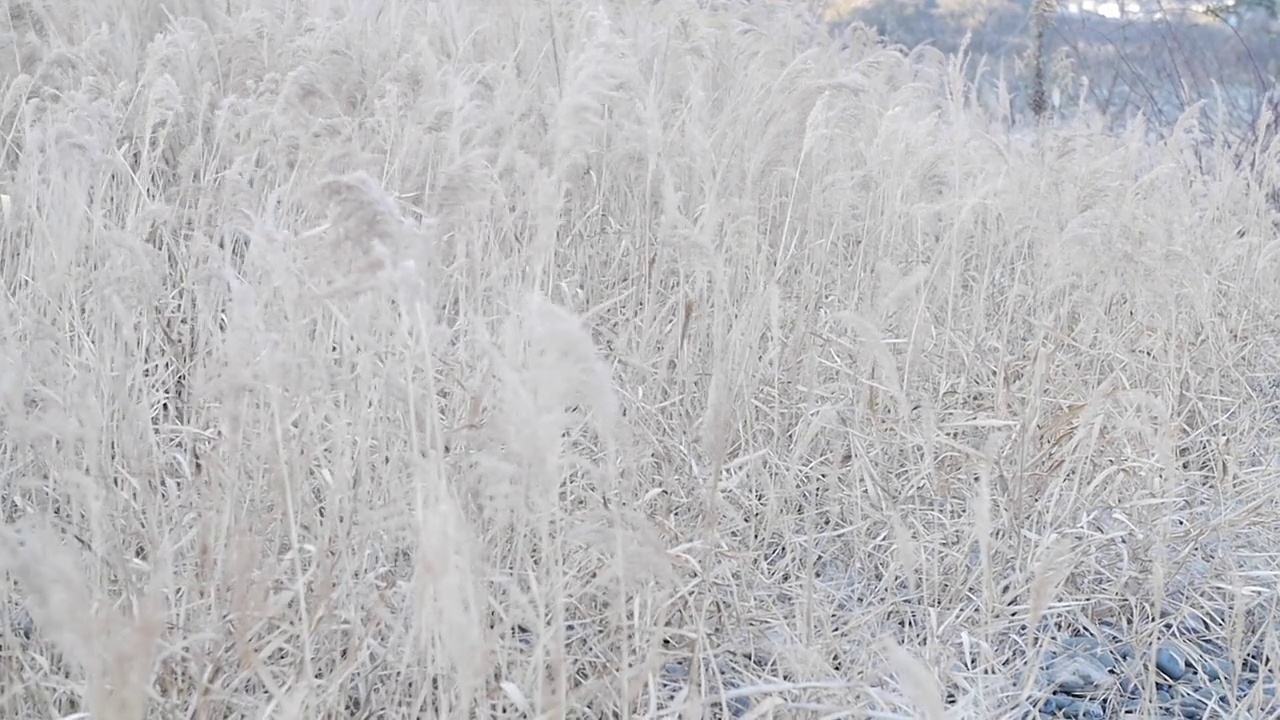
x=1118 y=59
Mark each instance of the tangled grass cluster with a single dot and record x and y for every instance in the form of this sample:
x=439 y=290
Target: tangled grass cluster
x=599 y=359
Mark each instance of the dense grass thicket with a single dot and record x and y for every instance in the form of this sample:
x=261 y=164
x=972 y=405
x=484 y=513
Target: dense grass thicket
x=581 y=359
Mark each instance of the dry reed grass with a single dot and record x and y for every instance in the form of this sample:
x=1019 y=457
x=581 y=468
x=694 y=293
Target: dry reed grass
x=503 y=359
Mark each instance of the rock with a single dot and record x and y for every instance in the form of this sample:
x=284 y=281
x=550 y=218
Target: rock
x=1081 y=643
x=1263 y=687
x=1190 y=707
x=1089 y=646
x=675 y=671
x=1193 y=675
x=1192 y=626
x=675 y=678
x=1214 y=668
x=1171 y=662
x=1130 y=687
x=1076 y=673
x=1065 y=706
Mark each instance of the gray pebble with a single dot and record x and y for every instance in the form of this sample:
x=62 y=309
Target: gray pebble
x=1171 y=662
x=1193 y=626
x=1077 y=674
x=675 y=671
x=1054 y=704
x=1130 y=687
x=1207 y=692
x=675 y=675
x=1191 y=707
x=1196 y=677
x=1089 y=646
x=1215 y=668
x=1214 y=692
x=1266 y=687
x=1081 y=643
x=1064 y=706
x=737 y=706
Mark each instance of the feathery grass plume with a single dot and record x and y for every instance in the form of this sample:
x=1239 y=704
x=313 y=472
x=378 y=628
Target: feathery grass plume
x=113 y=653
x=917 y=681
x=28 y=28
x=449 y=608
x=17 y=91
x=559 y=427
x=550 y=368
x=366 y=232
x=599 y=79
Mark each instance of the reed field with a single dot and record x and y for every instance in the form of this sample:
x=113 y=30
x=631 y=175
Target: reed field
x=610 y=358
